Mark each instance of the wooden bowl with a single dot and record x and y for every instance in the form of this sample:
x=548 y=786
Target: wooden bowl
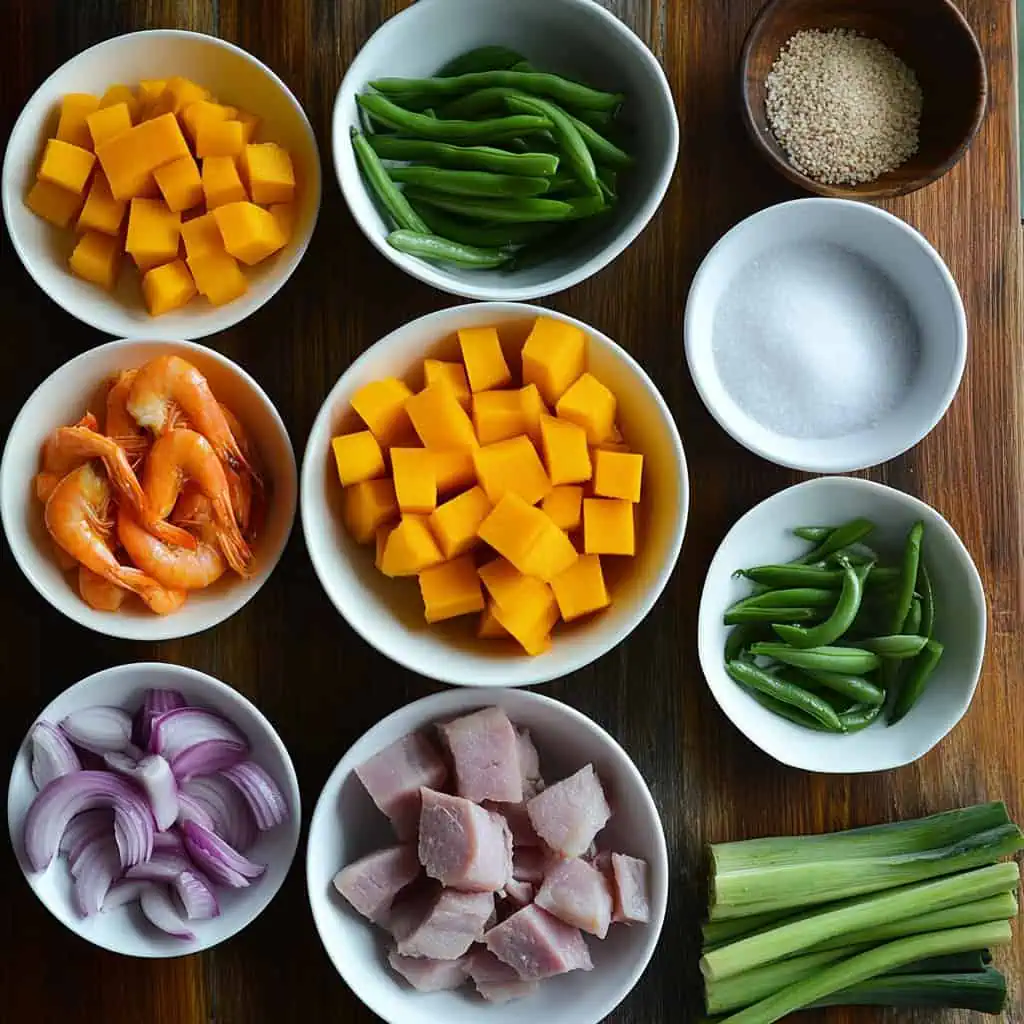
x=930 y=36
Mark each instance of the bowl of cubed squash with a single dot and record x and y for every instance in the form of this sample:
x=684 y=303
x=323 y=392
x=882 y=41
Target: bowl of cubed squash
x=161 y=184
x=494 y=495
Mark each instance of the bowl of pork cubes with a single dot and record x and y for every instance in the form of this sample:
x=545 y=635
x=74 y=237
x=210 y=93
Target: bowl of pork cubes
x=482 y=854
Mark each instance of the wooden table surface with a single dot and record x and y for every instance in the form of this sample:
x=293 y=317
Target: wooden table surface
x=322 y=686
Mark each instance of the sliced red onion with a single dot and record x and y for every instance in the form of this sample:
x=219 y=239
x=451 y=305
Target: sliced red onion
x=127 y=890
x=99 y=729
x=176 y=731
x=190 y=809
x=52 y=754
x=85 y=826
x=164 y=842
x=161 y=912
x=63 y=798
x=261 y=793
x=222 y=862
x=154 y=775
x=98 y=866
x=163 y=866
x=207 y=757
x=197 y=896
x=231 y=818
x=155 y=703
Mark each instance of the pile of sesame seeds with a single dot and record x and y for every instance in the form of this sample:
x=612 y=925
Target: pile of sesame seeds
x=843 y=106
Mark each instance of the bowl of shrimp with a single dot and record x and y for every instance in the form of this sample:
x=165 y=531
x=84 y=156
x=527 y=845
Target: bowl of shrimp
x=148 y=489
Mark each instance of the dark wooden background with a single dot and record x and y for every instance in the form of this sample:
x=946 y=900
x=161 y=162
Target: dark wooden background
x=322 y=686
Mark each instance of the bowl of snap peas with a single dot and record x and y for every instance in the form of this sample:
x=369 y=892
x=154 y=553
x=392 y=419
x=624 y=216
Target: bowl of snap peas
x=506 y=150
x=842 y=626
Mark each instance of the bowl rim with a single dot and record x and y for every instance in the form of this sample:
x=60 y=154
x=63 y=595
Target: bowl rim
x=201 y=680
x=442 y=671
x=121 y=628
x=463 y=699
x=110 y=325
x=881 y=191
x=913 y=505
x=699 y=373
x=439 y=278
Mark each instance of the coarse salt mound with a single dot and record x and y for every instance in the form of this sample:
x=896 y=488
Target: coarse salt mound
x=843 y=106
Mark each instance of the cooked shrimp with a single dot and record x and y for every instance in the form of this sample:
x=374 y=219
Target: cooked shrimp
x=56 y=462
x=182 y=455
x=99 y=593
x=120 y=424
x=240 y=484
x=77 y=516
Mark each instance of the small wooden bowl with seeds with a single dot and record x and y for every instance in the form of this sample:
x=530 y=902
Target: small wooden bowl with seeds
x=862 y=99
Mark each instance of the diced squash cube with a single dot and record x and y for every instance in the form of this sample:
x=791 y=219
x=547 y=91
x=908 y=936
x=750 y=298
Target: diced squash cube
x=485 y=362
x=608 y=527
x=454 y=470
x=380 y=542
x=580 y=590
x=613 y=446
x=250 y=233
x=513 y=528
x=53 y=203
x=180 y=184
x=203 y=112
x=129 y=159
x=183 y=93
x=617 y=474
x=531 y=617
x=75 y=107
x=552 y=553
x=590 y=404
x=102 y=212
x=268 y=172
x=554 y=356
x=118 y=94
x=453 y=375
x=284 y=214
x=250 y=122
x=533 y=409
x=504 y=582
x=456 y=522
x=512 y=465
x=498 y=415
x=221 y=182
x=201 y=237
x=410 y=548
x=564 y=506
x=451 y=589
x=439 y=420
x=358 y=457
x=381 y=406
x=108 y=122
x=220 y=138
x=415 y=481
x=150 y=89
x=566 y=454
x=167 y=287
x=367 y=506
x=66 y=166
x=490 y=628
x=218 y=277
x=95 y=259
x=153 y=233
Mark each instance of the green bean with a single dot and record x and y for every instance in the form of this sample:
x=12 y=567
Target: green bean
x=433 y=247
x=842 y=616
x=483 y=58
x=810 y=576
x=814 y=534
x=489 y=130
x=927 y=603
x=839 y=538
x=898 y=645
x=603 y=151
x=473 y=104
x=470 y=183
x=388 y=194
x=794 y=597
x=487 y=236
x=472 y=158
x=535 y=142
x=917 y=680
x=828 y=659
x=740 y=638
x=908 y=577
x=609 y=180
x=596 y=119
x=735 y=616
x=515 y=210
x=586 y=206
x=857 y=688
x=750 y=675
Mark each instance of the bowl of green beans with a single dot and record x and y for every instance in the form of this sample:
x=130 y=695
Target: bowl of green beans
x=842 y=626
x=506 y=150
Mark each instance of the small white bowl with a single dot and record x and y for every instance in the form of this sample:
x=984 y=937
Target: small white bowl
x=577 y=38
x=124 y=930
x=61 y=400
x=346 y=825
x=389 y=613
x=763 y=536
x=917 y=274
x=234 y=76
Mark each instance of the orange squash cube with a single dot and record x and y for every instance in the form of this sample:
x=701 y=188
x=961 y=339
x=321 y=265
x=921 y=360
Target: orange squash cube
x=485 y=362
x=118 y=94
x=75 y=107
x=182 y=93
x=53 y=203
x=551 y=554
x=284 y=214
x=512 y=465
x=608 y=527
x=380 y=542
x=439 y=420
x=219 y=138
x=167 y=287
x=367 y=506
x=451 y=589
x=456 y=522
x=358 y=457
x=489 y=627
x=554 y=357
x=250 y=233
x=95 y=258
x=453 y=375
x=381 y=406
x=203 y=112
x=531 y=617
x=498 y=415
x=129 y=159
x=566 y=454
x=581 y=590
x=564 y=506
x=533 y=408
x=504 y=582
x=202 y=237
x=410 y=548
x=102 y=212
x=108 y=122
x=454 y=470
x=221 y=183
x=513 y=529
x=415 y=483
x=268 y=172
x=617 y=474
x=66 y=166
x=218 y=277
x=180 y=184
x=150 y=89
x=153 y=233
x=250 y=123
x=591 y=405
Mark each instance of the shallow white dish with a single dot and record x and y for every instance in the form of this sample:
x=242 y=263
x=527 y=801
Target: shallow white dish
x=124 y=930
x=346 y=825
x=763 y=537
x=233 y=76
x=577 y=38
x=389 y=613
x=917 y=273
x=60 y=400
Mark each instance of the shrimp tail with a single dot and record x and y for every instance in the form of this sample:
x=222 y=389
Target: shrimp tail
x=158 y=598
x=134 y=447
x=232 y=543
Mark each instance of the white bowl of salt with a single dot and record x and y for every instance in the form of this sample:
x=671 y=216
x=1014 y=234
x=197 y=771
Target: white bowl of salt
x=825 y=335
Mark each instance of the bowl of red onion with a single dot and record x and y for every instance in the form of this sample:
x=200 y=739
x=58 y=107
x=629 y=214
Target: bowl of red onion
x=154 y=810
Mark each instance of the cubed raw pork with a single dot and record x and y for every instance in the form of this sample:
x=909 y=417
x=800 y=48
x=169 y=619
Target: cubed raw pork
x=485 y=753
x=519 y=893
x=393 y=779
x=496 y=981
x=538 y=945
x=371 y=883
x=568 y=814
x=578 y=894
x=529 y=863
x=453 y=922
x=462 y=844
x=430 y=975
x=630 y=889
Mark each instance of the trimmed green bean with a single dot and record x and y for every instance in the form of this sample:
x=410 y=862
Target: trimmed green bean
x=750 y=675
x=827 y=659
x=908 y=577
x=433 y=247
x=857 y=688
x=792 y=597
x=839 y=621
x=388 y=194
x=898 y=646
x=473 y=104
x=770 y=615
x=917 y=680
x=487 y=236
x=483 y=58
x=470 y=158
x=603 y=151
x=599 y=120
x=437 y=130
x=839 y=538
x=927 y=602
x=470 y=183
x=507 y=210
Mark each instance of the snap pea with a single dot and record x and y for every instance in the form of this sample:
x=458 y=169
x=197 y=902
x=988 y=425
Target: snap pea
x=815 y=534
x=927 y=602
x=524 y=210
x=487 y=236
x=857 y=553
x=601 y=149
x=470 y=183
x=898 y=645
x=810 y=576
x=859 y=718
x=388 y=194
x=735 y=616
x=794 y=715
x=438 y=130
x=842 y=616
x=908 y=577
x=917 y=680
x=912 y=624
x=793 y=597
x=788 y=693
x=740 y=638
x=483 y=58
x=472 y=158
x=433 y=247
x=857 y=688
x=827 y=659
x=839 y=538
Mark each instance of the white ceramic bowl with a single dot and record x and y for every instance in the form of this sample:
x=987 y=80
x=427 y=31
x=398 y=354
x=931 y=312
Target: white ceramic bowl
x=124 y=930
x=234 y=76
x=389 y=613
x=763 y=537
x=346 y=825
x=60 y=400
x=916 y=272
x=577 y=38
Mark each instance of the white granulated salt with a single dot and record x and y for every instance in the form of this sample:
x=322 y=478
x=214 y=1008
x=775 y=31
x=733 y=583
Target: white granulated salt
x=812 y=341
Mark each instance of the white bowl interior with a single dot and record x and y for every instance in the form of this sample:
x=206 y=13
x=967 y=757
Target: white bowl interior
x=346 y=825
x=234 y=76
x=904 y=257
x=389 y=613
x=62 y=399
x=125 y=930
x=576 y=38
x=763 y=536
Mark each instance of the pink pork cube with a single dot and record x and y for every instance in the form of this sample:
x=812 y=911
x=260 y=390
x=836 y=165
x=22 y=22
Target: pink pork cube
x=463 y=845
x=570 y=813
x=518 y=894
x=538 y=945
x=485 y=753
x=453 y=922
x=578 y=894
x=430 y=975
x=496 y=981
x=630 y=889
x=394 y=777
x=371 y=883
